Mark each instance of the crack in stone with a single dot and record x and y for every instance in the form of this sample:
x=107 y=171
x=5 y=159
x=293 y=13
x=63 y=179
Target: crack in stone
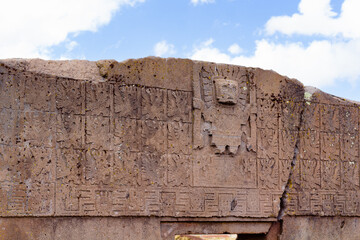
x=285 y=195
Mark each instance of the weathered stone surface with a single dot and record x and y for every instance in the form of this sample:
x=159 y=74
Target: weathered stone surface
x=79 y=228
x=318 y=228
x=172 y=138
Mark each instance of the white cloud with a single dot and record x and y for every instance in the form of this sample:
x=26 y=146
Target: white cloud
x=319 y=63
x=317 y=18
x=163 y=48
x=235 y=49
x=206 y=52
x=71 y=45
x=196 y=2
x=29 y=28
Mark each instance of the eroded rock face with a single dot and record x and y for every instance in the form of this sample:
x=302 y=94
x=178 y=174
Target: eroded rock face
x=172 y=138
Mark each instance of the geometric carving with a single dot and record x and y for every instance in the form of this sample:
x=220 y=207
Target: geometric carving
x=98 y=166
x=134 y=144
x=26 y=165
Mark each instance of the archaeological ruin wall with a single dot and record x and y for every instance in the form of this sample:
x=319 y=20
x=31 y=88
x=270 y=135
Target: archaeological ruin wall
x=150 y=148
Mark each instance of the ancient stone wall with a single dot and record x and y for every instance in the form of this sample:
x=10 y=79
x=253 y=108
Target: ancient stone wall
x=171 y=139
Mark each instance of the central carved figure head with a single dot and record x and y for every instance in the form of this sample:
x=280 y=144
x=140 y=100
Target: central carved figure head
x=226 y=91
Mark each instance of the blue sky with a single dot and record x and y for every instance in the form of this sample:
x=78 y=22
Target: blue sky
x=315 y=41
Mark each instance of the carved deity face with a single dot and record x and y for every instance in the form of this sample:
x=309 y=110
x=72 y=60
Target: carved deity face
x=226 y=91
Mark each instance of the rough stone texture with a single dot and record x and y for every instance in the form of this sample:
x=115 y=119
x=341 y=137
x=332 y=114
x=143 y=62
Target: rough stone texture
x=319 y=228
x=176 y=138
x=84 y=228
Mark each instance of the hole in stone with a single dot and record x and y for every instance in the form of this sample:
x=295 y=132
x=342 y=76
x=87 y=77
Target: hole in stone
x=225 y=236
x=207 y=237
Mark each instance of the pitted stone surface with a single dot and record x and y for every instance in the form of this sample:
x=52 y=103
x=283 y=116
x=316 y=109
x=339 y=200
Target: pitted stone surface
x=171 y=138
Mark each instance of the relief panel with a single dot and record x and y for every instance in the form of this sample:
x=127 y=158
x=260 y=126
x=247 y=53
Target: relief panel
x=268 y=173
x=268 y=144
x=219 y=171
x=153 y=169
x=349 y=147
x=290 y=115
x=311 y=117
x=179 y=106
x=330 y=146
x=179 y=137
x=98 y=134
x=11 y=126
x=268 y=114
x=127 y=168
x=349 y=119
x=11 y=92
x=40 y=94
x=350 y=175
x=225 y=113
x=98 y=166
x=127 y=101
x=25 y=164
x=178 y=170
x=154 y=136
x=287 y=141
x=21 y=199
x=154 y=104
x=330 y=118
x=70 y=131
x=310 y=145
x=330 y=175
x=70 y=166
x=70 y=96
x=310 y=174
x=39 y=129
x=128 y=134
x=98 y=99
